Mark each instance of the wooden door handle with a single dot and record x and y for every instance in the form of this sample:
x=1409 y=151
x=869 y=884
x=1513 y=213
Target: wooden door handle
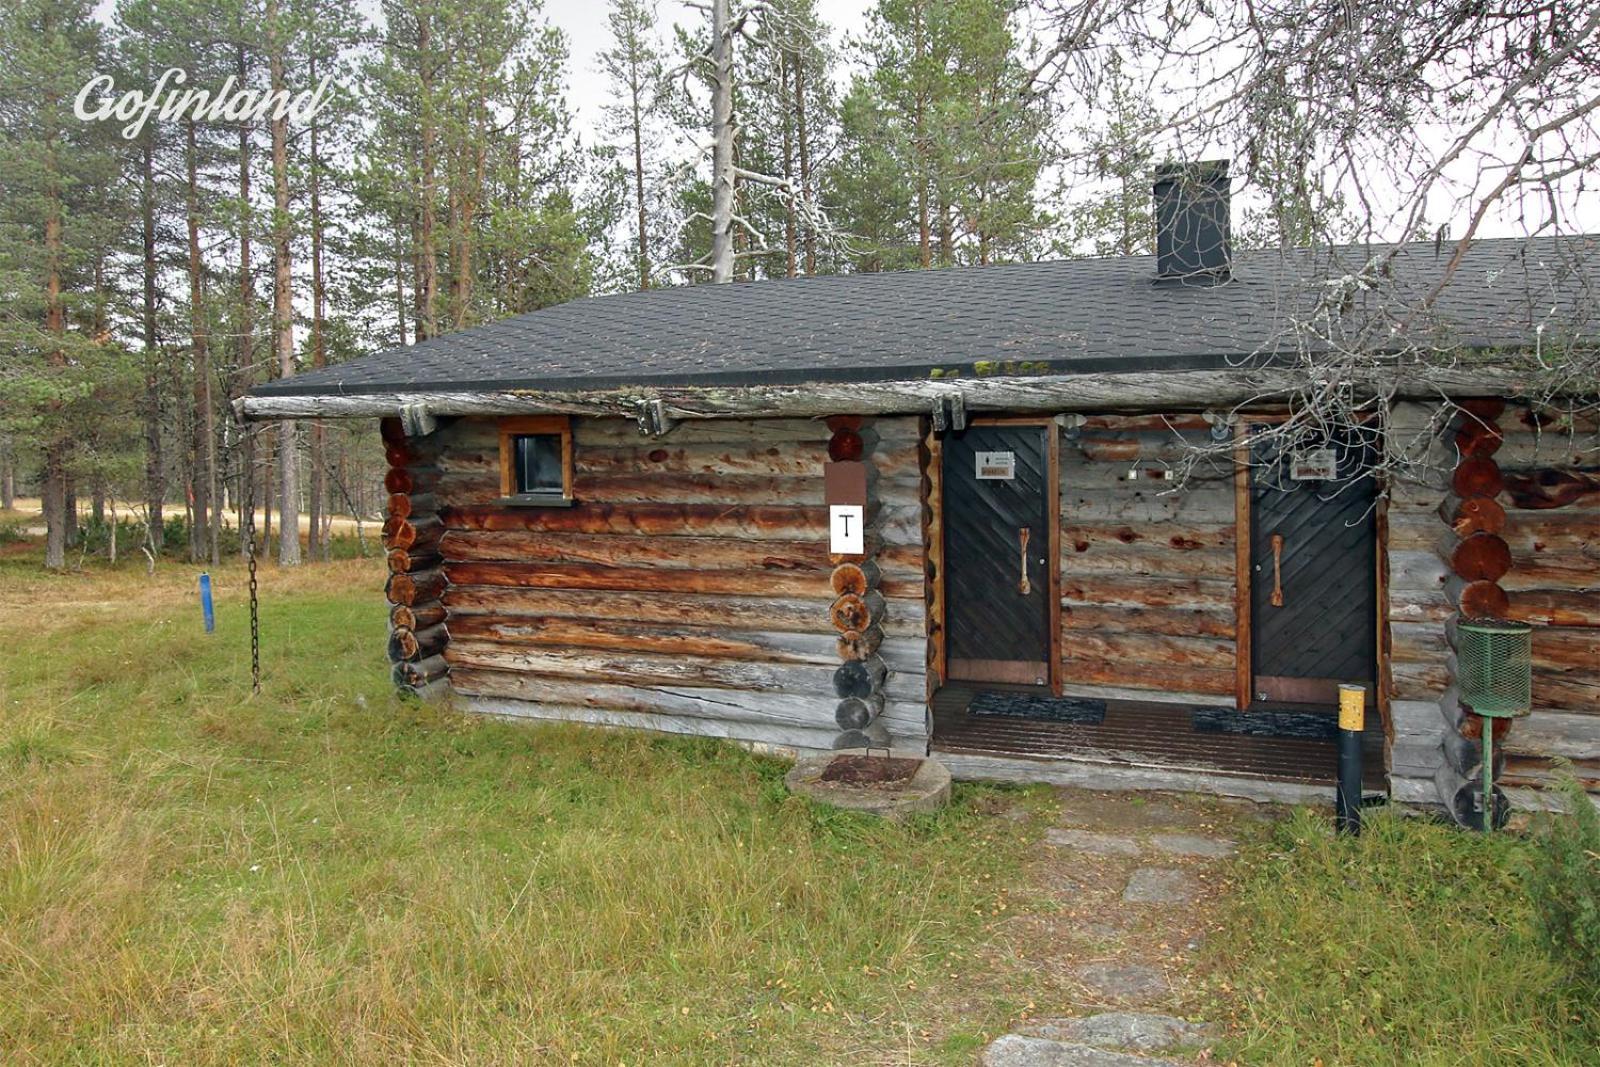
x=1023 y=585
x=1277 y=570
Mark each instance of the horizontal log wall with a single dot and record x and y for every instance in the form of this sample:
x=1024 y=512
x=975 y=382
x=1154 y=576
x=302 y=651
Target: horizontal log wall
x=1551 y=469
x=1447 y=526
x=1147 y=570
x=1554 y=576
x=688 y=589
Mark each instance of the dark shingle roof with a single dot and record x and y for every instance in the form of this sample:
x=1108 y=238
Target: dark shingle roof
x=1080 y=315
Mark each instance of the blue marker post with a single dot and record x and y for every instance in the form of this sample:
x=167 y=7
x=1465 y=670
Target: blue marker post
x=205 y=602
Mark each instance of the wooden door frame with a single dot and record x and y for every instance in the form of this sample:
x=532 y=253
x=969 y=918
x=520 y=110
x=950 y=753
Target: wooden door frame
x=1244 y=666
x=935 y=536
x=933 y=552
x=1244 y=653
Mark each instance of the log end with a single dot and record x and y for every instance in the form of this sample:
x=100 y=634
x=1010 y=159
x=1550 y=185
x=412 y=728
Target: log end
x=1479 y=514
x=846 y=445
x=1484 y=600
x=1481 y=557
x=849 y=613
x=857 y=713
x=1477 y=476
x=859 y=644
x=854 y=577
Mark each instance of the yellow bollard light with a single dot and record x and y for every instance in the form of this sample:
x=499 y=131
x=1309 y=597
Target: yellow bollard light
x=1352 y=720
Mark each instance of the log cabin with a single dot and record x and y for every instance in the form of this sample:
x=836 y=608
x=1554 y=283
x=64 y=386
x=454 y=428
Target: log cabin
x=1033 y=519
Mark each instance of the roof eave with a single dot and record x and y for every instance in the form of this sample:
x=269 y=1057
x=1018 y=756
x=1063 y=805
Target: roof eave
x=1040 y=393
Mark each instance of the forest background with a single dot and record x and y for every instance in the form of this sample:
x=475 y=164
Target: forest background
x=148 y=281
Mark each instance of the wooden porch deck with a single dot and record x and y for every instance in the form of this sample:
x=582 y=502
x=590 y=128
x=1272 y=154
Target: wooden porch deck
x=1146 y=734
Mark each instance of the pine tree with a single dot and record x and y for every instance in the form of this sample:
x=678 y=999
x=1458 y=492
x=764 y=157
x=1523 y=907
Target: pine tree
x=196 y=38
x=137 y=60
x=786 y=114
x=278 y=36
x=1299 y=209
x=246 y=53
x=948 y=100
x=474 y=160
x=908 y=63
x=329 y=33
x=1118 y=157
x=401 y=151
x=638 y=90
x=874 y=202
x=996 y=141
x=55 y=228
x=756 y=189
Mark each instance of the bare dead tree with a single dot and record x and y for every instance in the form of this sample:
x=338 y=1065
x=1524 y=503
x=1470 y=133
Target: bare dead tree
x=756 y=24
x=1363 y=126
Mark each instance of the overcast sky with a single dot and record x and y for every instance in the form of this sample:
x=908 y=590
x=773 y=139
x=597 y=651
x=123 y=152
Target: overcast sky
x=584 y=23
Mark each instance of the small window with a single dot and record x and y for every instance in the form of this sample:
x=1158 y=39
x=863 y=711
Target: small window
x=536 y=460
x=537 y=457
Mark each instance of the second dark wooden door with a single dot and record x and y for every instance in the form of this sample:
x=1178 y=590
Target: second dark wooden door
x=999 y=574
x=1313 y=553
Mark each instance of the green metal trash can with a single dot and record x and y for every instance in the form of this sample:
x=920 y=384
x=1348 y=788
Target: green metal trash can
x=1494 y=679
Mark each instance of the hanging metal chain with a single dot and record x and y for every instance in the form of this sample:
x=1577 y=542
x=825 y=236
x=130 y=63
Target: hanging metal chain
x=248 y=495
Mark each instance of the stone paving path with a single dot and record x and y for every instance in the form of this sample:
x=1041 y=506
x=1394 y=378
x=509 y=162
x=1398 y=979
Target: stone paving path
x=1132 y=879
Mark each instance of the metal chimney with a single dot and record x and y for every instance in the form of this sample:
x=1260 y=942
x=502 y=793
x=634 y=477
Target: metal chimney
x=1191 y=218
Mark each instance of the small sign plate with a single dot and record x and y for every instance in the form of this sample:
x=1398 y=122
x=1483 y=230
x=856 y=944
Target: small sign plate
x=1313 y=465
x=846 y=533
x=997 y=466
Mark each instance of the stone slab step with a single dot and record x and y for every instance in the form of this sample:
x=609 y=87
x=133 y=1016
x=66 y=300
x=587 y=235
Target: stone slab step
x=1159 y=885
x=1214 y=848
x=1090 y=841
x=1124 y=982
x=1133 y=1031
x=1019 y=1050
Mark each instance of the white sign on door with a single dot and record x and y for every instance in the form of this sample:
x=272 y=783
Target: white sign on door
x=846 y=530
x=997 y=466
x=1313 y=465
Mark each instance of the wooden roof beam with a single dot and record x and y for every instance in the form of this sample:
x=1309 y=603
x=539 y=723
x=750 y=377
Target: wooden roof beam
x=1042 y=393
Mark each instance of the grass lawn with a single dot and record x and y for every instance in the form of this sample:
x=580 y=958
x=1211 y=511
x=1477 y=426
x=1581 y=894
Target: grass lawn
x=190 y=875
x=1411 y=945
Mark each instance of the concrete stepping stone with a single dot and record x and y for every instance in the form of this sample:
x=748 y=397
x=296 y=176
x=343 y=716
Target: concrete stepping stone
x=1090 y=841
x=1159 y=885
x=1134 y=1030
x=1019 y=1050
x=1215 y=848
x=1124 y=981
x=1096 y=930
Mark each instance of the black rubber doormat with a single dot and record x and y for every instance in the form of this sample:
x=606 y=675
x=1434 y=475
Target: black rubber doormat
x=1302 y=725
x=1075 y=710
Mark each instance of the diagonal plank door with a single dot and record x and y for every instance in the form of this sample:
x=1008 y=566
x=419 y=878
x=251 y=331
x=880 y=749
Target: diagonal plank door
x=1313 y=543
x=998 y=566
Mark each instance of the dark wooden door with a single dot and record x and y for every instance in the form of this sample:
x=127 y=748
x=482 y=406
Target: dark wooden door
x=998 y=513
x=1314 y=588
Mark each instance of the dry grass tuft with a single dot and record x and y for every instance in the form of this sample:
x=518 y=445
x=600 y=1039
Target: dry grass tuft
x=194 y=875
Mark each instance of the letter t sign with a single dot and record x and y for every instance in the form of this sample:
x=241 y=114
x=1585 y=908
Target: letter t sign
x=845 y=535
